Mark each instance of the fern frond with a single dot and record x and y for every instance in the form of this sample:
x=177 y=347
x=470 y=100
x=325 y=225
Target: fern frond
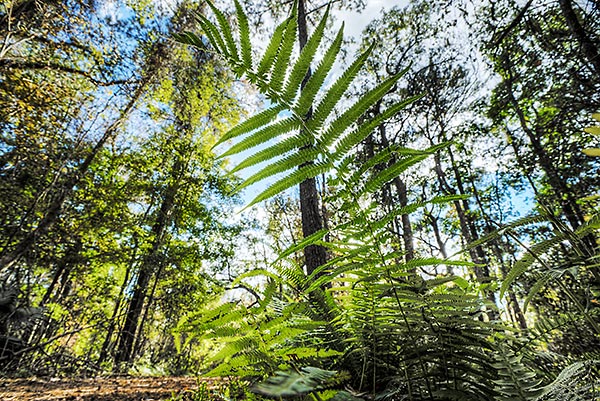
x=313 y=239
x=263 y=135
x=189 y=38
x=284 y=54
x=354 y=112
x=317 y=78
x=266 y=63
x=226 y=31
x=273 y=151
x=577 y=382
x=294 y=384
x=213 y=35
x=533 y=255
x=374 y=184
x=335 y=93
x=515 y=381
x=244 y=36
x=302 y=65
x=295 y=178
x=287 y=163
x=349 y=141
x=253 y=123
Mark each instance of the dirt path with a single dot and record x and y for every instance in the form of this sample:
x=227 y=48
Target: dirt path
x=100 y=389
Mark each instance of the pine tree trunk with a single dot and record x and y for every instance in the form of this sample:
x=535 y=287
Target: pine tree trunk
x=312 y=221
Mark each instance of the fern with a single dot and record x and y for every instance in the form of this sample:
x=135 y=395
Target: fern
x=294 y=384
x=515 y=381
x=394 y=331
x=577 y=382
x=278 y=77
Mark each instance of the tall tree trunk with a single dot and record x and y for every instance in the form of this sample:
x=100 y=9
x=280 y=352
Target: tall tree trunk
x=312 y=221
x=477 y=254
x=588 y=47
x=563 y=194
x=401 y=192
x=108 y=344
x=149 y=267
x=514 y=309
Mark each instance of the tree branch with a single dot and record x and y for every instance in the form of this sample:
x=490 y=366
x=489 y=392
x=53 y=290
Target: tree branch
x=37 y=65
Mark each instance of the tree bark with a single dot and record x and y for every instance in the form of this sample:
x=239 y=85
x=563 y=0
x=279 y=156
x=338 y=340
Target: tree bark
x=312 y=221
x=150 y=266
x=588 y=47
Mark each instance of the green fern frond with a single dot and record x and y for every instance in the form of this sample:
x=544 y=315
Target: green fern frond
x=253 y=123
x=577 y=382
x=264 y=134
x=533 y=255
x=287 y=163
x=267 y=61
x=313 y=239
x=354 y=112
x=294 y=384
x=515 y=381
x=272 y=152
x=379 y=180
x=244 y=36
x=226 y=32
x=213 y=34
x=189 y=38
x=366 y=128
x=294 y=178
x=284 y=54
x=317 y=78
x=335 y=93
x=302 y=65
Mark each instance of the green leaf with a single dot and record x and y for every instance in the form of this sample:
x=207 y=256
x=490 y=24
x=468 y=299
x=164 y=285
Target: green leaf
x=287 y=163
x=264 y=135
x=319 y=75
x=335 y=93
x=284 y=53
x=244 y=34
x=226 y=31
x=266 y=63
x=255 y=122
x=592 y=151
x=213 y=34
x=302 y=65
x=291 y=180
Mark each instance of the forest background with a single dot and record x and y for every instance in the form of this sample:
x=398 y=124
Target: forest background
x=424 y=224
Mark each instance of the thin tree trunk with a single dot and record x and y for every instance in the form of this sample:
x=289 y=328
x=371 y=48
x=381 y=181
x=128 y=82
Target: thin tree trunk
x=433 y=221
x=562 y=193
x=482 y=272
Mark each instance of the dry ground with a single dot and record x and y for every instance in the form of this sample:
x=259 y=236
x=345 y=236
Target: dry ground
x=100 y=389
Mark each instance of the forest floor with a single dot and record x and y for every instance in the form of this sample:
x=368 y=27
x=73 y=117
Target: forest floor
x=103 y=389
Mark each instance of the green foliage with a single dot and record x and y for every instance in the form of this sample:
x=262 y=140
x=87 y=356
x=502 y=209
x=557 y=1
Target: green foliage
x=300 y=144
x=396 y=333
x=577 y=382
x=293 y=384
x=514 y=381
